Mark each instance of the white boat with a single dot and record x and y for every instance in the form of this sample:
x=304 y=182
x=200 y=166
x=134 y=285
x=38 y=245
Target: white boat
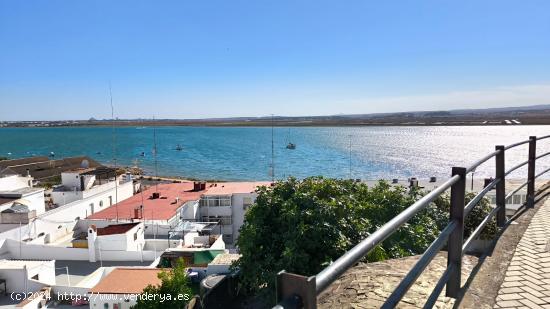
x=290 y=144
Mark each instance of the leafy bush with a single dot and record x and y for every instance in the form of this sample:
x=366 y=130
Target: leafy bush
x=472 y=221
x=301 y=226
x=174 y=287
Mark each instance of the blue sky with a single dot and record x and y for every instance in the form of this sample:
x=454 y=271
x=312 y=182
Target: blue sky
x=195 y=59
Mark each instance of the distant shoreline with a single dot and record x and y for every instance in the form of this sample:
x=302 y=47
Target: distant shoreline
x=279 y=124
x=526 y=115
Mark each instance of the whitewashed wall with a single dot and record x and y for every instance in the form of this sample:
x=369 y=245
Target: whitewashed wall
x=60 y=221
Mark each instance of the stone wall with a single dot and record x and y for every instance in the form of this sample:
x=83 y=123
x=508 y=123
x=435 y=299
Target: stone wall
x=368 y=285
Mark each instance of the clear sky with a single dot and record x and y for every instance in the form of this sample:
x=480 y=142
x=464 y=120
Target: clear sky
x=196 y=59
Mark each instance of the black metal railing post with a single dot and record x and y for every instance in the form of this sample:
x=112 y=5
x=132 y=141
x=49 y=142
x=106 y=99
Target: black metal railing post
x=295 y=291
x=500 y=187
x=457 y=236
x=531 y=171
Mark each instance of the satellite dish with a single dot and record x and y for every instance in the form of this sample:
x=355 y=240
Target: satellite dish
x=84 y=164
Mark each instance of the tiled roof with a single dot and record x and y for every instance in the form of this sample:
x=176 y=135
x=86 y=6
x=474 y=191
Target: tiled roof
x=42 y=167
x=163 y=208
x=116 y=229
x=127 y=281
x=5 y=200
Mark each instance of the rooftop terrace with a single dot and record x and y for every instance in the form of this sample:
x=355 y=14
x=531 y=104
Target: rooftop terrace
x=172 y=197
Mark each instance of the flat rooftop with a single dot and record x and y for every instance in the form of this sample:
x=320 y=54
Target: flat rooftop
x=226 y=188
x=225 y=259
x=163 y=208
x=19 y=264
x=78 y=270
x=21 y=191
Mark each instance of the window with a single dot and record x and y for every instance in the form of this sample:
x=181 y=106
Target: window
x=228 y=238
x=100 y=203
x=517 y=199
x=135 y=236
x=106 y=306
x=493 y=200
x=110 y=201
x=35 y=277
x=224 y=220
x=247 y=202
x=215 y=201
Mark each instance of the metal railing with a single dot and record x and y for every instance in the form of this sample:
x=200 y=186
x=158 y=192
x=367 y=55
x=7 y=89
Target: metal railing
x=295 y=291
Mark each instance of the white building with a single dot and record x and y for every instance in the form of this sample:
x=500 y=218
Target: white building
x=84 y=183
x=22 y=276
x=10 y=180
x=55 y=227
x=226 y=203
x=117 y=237
x=121 y=287
x=19 y=200
x=475 y=186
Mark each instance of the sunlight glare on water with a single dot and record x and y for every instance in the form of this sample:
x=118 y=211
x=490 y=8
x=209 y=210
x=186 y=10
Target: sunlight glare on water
x=242 y=153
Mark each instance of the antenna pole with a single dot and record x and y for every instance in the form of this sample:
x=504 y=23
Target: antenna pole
x=114 y=149
x=272 y=153
x=155 y=154
x=349 y=156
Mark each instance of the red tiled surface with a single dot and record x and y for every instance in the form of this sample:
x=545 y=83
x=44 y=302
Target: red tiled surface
x=153 y=209
x=127 y=281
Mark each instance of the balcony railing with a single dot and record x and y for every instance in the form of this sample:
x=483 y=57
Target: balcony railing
x=295 y=291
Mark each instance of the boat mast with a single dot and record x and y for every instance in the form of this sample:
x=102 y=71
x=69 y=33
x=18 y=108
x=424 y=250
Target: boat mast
x=114 y=149
x=272 y=153
x=349 y=156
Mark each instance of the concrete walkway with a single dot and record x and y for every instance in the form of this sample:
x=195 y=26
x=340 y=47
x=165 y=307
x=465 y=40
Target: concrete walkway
x=527 y=280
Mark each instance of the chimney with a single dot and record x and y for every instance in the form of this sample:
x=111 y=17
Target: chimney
x=487 y=181
x=92 y=235
x=137 y=214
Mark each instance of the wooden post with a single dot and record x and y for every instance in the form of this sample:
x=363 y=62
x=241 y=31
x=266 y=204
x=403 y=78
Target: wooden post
x=456 y=238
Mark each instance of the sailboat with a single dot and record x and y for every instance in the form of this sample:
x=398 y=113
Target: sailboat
x=290 y=145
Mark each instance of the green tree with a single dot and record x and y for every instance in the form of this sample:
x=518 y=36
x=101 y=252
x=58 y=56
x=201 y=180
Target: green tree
x=174 y=289
x=301 y=226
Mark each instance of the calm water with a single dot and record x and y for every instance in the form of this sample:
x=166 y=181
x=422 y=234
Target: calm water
x=245 y=153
